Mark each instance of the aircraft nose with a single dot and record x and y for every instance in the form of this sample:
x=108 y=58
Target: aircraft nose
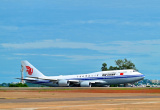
x=143 y=76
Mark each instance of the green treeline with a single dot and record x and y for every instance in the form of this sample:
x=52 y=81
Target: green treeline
x=121 y=65
x=18 y=85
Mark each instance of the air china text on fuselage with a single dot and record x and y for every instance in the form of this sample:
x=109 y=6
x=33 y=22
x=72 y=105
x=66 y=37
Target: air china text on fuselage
x=101 y=78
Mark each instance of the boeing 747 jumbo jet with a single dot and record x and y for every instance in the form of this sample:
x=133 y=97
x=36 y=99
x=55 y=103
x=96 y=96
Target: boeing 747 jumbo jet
x=101 y=78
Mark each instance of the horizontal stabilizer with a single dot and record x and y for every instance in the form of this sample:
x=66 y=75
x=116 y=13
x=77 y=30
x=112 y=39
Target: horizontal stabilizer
x=43 y=78
x=26 y=79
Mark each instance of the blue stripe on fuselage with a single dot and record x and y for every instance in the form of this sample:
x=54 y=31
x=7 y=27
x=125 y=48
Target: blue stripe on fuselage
x=107 y=77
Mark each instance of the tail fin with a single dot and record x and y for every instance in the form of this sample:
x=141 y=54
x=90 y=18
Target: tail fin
x=31 y=70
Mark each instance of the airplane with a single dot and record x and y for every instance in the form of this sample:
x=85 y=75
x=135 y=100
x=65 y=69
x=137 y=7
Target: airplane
x=101 y=78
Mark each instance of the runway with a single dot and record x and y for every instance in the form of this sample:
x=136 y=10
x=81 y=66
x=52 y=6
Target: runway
x=74 y=107
x=81 y=99
x=22 y=100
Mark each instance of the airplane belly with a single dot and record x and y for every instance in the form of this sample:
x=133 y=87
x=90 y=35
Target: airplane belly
x=122 y=80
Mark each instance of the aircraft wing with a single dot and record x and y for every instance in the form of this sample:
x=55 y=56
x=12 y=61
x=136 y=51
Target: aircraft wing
x=74 y=81
x=52 y=80
x=55 y=80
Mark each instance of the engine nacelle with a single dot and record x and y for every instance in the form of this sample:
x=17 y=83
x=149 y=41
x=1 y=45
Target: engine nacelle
x=85 y=84
x=63 y=83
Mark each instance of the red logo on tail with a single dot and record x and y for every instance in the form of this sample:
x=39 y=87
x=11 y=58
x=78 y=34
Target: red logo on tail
x=29 y=70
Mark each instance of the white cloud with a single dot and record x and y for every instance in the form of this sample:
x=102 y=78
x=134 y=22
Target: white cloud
x=88 y=57
x=118 y=22
x=48 y=44
x=148 y=24
x=8 y=27
x=30 y=54
x=98 y=22
x=148 y=47
x=13 y=58
x=73 y=57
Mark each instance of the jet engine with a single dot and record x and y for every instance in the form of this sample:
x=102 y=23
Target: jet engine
x=63 y=83
x=85 y=84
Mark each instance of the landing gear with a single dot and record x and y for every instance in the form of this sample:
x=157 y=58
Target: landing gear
x=125 y=85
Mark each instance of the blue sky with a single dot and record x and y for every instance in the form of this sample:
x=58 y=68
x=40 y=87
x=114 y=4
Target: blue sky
x=76 y=36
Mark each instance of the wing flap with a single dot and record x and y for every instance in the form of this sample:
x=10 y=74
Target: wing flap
x=97 y=81
x=74 y=81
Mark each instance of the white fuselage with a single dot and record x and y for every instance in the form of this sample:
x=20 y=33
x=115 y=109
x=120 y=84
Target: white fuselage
x=99 y=78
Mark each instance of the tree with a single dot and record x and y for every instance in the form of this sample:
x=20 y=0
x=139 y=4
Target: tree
x=18 y=85
x=4 y=84
x=125 y=64
x=113 y=68
x=104 y=67
x=121 y=65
